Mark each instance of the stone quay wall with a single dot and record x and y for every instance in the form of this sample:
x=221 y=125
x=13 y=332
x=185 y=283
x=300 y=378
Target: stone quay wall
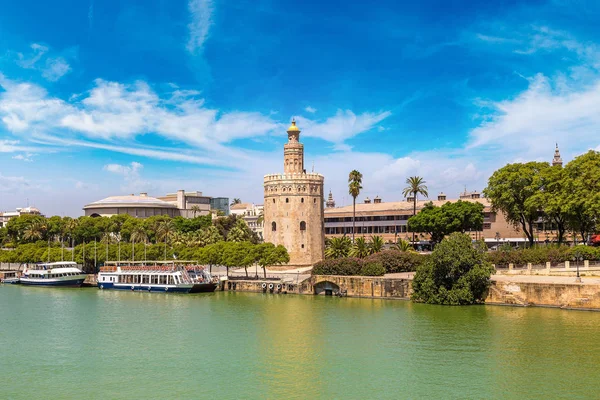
x=586 y=268
x=568 y=296
x=571 y=295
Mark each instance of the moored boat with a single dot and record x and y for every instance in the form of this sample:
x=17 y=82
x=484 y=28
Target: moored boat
x=62 y=273
x=170 y=278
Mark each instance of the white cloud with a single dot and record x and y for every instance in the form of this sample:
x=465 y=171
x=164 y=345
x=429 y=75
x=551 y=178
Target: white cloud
x=128 y=171
x=310 y=109
x=52 y=68
x=201 y=19
x=541 y=115
x=13 y=183
x=55 y=68
x=24 y=157
x=344 y=125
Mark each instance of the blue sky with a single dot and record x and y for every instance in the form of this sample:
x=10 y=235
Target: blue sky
x=100 y=98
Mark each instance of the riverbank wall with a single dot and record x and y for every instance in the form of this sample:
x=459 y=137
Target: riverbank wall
x=561 y=295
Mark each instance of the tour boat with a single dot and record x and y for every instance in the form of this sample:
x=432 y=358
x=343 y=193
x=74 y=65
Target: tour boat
x=154 y=278
x=9 y=277
x=62 y=273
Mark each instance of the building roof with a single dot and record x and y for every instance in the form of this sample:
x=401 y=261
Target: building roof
x=396 y=206
x=130 y=201
x=241 y=206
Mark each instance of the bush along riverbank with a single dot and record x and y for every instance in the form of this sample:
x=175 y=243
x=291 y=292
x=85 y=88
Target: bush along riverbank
x=378 y=264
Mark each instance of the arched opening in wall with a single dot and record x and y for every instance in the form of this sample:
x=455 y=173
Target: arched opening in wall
x=302 y=226
x=302 y=200
x=273 y=226
x=287 y=200
x=95 y=215
x=315 y=201
x=273 y=200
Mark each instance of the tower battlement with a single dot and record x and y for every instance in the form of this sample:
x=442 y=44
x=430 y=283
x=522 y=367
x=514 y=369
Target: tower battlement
x=294 y=176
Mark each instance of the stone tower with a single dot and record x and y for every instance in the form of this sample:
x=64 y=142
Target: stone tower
x=557 y=160
x=293 y=208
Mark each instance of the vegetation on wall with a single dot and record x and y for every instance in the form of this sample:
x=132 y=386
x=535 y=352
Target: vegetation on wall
x=376 y=264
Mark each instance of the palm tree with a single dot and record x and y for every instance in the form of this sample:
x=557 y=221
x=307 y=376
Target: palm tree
x=403 y=245
x=195 y=209
x=376 y=244
x=360 y=248
x=338 y=247
x=261 y=218
x=416 y=186
x=354 y=187
x=235 y=201
x=138 y=234
x=35 y=231
x=165 y=231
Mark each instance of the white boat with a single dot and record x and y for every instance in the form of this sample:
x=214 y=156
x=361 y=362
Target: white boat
x=62 y=273
x=154 y=278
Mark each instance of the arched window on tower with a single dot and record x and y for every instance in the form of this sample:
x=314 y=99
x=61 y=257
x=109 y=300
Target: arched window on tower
x=273 y=226
x=302 y=200
x=302 y=226
x=287 y=200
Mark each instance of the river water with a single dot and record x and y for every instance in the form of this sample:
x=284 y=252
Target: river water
x=87 y=343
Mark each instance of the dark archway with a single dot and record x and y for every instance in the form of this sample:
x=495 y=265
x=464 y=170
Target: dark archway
x=327 y=288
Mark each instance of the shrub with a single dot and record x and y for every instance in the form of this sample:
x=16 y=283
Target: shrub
x=456 y=274
x=372 y=269
x=397 y=261
x=338 y=266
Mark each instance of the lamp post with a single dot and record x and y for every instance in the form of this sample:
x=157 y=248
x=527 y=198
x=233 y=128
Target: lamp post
x=497 y=241
x=577 y=257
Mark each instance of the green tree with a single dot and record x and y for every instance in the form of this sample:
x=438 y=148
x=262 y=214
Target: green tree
x=459 y=216
x=240 y=232
x=376 y=244
x=338 y=247
x=35 y=231
x=512 y=190
x=581 y=193
x=455 y=274
x=415 y=186
x=138 y=234
x=354 y=188
x=195 y=209
x=235 y=201
x=552 y=199
x=360 y=248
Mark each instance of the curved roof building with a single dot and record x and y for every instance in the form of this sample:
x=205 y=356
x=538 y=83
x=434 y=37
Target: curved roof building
x=141 y=206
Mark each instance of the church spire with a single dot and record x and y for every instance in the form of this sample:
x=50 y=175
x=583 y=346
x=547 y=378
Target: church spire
x=557 y=160
x=330 y=203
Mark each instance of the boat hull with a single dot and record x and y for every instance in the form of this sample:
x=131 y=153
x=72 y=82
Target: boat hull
x=203 y=288
x=145 y=288
x=75 y=282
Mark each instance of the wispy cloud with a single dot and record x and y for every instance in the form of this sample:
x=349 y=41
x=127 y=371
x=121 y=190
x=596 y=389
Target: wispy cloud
x=52 y=68
x=344 y=125
x=201 y=12
x=128 y=171
x=24 y=157
x=13 y=183
x=310 y=109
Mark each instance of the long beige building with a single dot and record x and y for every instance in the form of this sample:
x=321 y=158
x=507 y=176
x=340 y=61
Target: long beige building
x=390 y=219
x=293 y=206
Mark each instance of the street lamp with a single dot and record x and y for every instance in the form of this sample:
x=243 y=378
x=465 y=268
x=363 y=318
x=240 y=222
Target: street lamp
x=577 y=257
x=497 y=241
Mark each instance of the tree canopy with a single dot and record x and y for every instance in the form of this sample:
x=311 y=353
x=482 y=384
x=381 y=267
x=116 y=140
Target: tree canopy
x=513 y=190
x=457 y=273
x=459 y=216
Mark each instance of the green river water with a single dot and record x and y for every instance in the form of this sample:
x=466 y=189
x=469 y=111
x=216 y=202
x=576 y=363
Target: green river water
x=87 y=343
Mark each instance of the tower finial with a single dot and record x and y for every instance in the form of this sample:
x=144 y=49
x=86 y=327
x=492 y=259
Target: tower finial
x=557 y=160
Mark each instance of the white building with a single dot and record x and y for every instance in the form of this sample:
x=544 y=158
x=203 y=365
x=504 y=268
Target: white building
x=8 y=215
x=182 y=203
x=250 y=213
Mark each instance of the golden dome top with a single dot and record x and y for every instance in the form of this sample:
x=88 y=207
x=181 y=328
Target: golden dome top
x=293 y=127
